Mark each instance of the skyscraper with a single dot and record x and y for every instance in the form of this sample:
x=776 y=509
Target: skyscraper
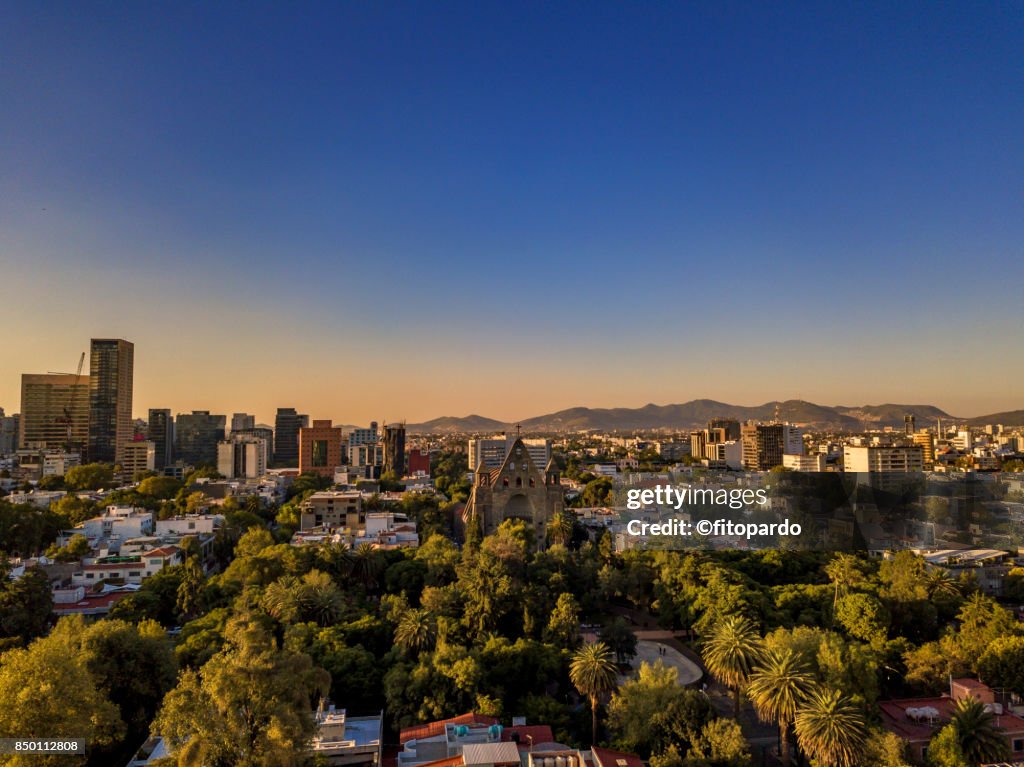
x=394 y=449
x=161 y=434
x=111 y=362
x=765 y=443
x=54 y=411
x=320 y=448
x=241 y=421
x=196 y=436
x=8 y=432
x=286 y=435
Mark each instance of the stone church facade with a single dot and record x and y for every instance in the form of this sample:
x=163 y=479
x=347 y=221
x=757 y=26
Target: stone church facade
x=518 y=489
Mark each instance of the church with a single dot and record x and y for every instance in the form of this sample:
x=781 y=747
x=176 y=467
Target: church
x=515 y=490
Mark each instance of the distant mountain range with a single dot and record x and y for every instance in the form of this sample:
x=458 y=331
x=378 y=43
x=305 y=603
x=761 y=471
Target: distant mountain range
x=696 y=413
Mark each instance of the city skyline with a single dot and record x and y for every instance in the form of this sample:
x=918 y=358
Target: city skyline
x=355 y=413
x=401 y=212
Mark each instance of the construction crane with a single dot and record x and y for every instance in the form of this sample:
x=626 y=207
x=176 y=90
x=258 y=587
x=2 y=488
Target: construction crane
x=67 y=420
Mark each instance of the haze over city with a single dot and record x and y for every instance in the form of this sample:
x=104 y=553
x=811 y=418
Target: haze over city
x=394 y=212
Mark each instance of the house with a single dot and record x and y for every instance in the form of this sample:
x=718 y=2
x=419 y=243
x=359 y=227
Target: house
x=470 y=740
x=917 y=720
x=129 y=569
x=345 y=740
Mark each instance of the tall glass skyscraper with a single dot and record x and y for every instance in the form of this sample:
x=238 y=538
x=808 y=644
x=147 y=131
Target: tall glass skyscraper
x=161 y=434
x=111 y=362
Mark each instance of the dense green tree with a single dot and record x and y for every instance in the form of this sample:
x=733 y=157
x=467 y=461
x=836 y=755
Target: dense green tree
x=74 y=509
x=1002 y=664
x=721 y=743
x=864 y=617
x=90 y=476
x=25 y=607
x=648 y=713
x=620 y=639
x=884 y=749
x=563 y=628
x=163 y=488
x=844 y=571
x=251 y=704
x=47 y=691
x=132 y=665
x=944 y=749
x=76 y=548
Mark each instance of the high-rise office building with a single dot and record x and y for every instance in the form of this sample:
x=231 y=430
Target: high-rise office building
x=260 y=431
x=242 y=457
x=138 y=456
x=196 y=435
x=394 y=449
x=111 y=362
x=242 y=421
x=731 y=427
x=8 y=432
x=160 y=432
x=908 y=425
x=764 y=444
x=358 y=437
x=54 y=412
x=320 y=448
x=286 y=435
x=925 y=440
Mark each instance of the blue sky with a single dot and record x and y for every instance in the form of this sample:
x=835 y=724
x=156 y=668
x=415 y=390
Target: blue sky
x=407 y=210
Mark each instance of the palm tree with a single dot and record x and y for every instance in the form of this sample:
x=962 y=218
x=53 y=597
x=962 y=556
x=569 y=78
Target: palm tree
x=366 y=565
x=280 y=599
x=844 y=571
x=320 y=599
x=415 y=631
x=560 y=529
x=981 y=740
x=593 y=673
x=830 y=729
x=731 y=653
x=777 y=689
x=939 y=583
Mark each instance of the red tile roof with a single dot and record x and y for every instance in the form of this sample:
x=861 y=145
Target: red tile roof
x=91 y=602
x=533 y=733
x=436 y=728
x=606 y=757
x=895 y=719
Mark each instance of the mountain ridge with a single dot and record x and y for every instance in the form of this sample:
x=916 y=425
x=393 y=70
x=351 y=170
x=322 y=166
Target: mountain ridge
x=696 y=413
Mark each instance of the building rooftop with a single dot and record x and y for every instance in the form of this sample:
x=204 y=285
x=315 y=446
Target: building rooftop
x=489 y=753
x=437 y=728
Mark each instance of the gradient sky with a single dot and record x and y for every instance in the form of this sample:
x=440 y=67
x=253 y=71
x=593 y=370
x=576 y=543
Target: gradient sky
x=380 y=210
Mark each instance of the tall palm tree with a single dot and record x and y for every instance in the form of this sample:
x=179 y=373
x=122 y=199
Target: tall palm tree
x=844 y=571
x=415 y=631
x=560 y=529
x=731 y=653
x=778 y=688
x=981 y=740
x=593 y=673
x=320 y=599
x=939 y=583
x=830 y=729
x=366 y=565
